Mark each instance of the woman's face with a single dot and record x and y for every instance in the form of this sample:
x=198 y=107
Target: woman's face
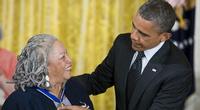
x=59 y=64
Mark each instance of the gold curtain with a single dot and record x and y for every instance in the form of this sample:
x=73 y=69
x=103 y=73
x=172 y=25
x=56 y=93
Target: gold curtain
x=86 y=27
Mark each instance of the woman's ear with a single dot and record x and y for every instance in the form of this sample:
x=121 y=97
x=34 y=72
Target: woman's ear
x=165 y=36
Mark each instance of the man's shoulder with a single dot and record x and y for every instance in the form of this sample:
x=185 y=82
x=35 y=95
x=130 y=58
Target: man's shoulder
x=178 y=56
x=123 y=39
x=123 y=36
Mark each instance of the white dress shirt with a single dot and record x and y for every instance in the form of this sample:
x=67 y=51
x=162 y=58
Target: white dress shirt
x=148 y=55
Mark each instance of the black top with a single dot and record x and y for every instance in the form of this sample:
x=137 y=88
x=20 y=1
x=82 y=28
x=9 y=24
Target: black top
x=31 y=99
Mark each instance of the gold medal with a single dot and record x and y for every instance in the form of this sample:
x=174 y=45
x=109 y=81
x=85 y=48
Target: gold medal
x=61 y=105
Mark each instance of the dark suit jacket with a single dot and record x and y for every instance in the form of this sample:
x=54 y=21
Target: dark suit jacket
x=166 y=82
x=31 y=99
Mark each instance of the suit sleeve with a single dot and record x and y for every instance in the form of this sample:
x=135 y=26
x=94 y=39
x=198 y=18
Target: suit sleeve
x=174 y=91
x=73 y=93
x=102 y=78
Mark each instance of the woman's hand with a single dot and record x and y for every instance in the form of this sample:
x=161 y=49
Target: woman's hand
x=72 y=107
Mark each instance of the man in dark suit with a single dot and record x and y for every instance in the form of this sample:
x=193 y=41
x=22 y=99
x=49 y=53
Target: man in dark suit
x=161 y=81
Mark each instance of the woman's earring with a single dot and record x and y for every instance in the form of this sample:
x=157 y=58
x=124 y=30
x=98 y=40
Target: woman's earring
x=47 y=83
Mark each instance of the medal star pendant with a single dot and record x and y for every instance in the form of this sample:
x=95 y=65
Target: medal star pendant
x=61 y=105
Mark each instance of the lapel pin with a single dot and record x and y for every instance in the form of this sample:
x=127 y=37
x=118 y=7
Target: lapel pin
x=154 y=70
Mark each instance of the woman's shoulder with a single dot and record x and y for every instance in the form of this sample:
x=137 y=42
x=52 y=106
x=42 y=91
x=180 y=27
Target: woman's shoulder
x=22 y=96
x=16 y=99
x=29 y=91
x=25 y=100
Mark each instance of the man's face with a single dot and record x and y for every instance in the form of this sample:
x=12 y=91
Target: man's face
x=145 y=34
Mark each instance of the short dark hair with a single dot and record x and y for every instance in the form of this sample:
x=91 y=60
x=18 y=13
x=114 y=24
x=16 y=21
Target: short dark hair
x=160 y=12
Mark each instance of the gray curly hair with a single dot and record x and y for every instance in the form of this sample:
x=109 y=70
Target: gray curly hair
x=31 y=68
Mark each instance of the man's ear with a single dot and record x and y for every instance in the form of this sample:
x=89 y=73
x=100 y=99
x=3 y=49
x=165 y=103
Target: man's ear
x=165 y=36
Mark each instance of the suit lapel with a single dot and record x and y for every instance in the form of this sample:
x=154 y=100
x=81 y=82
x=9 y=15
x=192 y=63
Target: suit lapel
x=122 y=70
x=125 y=61
x=149 y=73
x=152 y=69
x=124 y=75
x=126 y=66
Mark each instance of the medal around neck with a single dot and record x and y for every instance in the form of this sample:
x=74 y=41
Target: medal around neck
x=51 y=96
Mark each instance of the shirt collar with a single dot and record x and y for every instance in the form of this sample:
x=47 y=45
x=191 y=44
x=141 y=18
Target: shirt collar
x=150 y=52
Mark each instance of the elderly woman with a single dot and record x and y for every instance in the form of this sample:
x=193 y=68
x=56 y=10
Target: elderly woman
x=42 y=70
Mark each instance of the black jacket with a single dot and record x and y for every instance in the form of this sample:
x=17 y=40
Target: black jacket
x=166 y=81
x=31 y=99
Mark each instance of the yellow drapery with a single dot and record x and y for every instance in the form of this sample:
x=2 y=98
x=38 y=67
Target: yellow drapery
x=86 y=27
